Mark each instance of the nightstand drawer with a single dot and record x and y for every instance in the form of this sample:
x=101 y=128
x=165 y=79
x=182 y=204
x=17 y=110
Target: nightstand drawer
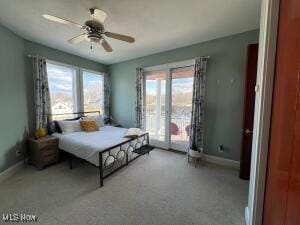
x=49 y=148
x=49 y=151
x=48 y=144
x=50 y=158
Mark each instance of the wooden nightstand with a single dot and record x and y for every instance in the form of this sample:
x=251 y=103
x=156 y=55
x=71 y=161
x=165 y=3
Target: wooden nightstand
x=43 y=151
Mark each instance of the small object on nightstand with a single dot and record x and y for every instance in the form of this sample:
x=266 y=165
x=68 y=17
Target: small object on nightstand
x=40 y=132
x=43 y=151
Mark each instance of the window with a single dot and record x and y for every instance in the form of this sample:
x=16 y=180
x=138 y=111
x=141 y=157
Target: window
x=74 y=90
x=92 y=91
x=62 y=88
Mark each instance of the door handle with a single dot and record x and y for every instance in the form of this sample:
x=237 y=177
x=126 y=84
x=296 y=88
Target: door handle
x=247 y=131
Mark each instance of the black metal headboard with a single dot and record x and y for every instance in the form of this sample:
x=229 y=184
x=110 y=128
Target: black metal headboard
x=53 y=126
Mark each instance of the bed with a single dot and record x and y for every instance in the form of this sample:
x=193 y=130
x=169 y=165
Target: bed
x=106 y=149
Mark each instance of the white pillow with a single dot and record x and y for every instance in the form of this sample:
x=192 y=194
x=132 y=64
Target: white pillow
x=69 y=126
x=133 y=132
x=98 y=119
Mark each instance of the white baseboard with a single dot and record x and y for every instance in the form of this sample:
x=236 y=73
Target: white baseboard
x=247 y=216
x=11 y=170
x=222 y=161
x=215 y=159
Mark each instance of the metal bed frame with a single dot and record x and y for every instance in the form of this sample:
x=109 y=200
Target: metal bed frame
x=115 y=157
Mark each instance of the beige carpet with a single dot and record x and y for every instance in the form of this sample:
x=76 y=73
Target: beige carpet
x=161 y=189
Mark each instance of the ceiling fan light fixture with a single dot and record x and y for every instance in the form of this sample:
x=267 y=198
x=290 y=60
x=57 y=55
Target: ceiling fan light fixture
x=93 y=37
x=94 y=29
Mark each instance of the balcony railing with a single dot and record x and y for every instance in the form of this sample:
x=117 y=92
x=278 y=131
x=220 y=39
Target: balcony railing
x=179 y=128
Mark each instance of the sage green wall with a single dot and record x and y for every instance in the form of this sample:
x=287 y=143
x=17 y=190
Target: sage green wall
x=16 y=90
x=13 y=101
x=224 y=93
x=33 y=48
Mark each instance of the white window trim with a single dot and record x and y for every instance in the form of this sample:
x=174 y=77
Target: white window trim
x=169 y=66
x=73 y=67
x=78 y=84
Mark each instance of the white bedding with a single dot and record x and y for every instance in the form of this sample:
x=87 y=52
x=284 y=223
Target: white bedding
x=87 y=145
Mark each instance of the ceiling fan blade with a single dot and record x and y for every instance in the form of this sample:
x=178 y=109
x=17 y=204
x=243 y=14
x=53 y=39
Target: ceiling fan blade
x=61 y=20
x=106 y=46
x=99 y=15
x=77 y=39
x=120 y=37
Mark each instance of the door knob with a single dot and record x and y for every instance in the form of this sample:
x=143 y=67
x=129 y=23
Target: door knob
x=247 y=131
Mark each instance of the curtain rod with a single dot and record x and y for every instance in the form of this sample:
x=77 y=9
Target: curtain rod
x=177 y=64
x=191 y=61
x=207 y=57
x=31 y=56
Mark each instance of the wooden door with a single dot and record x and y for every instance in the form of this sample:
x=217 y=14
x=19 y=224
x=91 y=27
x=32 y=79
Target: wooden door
x=249 y=102
x=282 y=196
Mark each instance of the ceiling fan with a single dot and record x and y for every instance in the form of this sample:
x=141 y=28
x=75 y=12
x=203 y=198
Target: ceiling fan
x=94 y=30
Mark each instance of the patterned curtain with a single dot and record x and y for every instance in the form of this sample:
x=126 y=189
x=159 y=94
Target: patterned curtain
x=107 y=89
x=198 y=105
x=139 y=105
x=42 y=96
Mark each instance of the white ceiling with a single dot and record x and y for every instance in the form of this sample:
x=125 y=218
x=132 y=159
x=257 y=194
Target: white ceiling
x=157 y=25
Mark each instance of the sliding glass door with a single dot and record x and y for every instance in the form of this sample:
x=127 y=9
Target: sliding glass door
x=168 y=99
x=156 y=108
x=181 y=107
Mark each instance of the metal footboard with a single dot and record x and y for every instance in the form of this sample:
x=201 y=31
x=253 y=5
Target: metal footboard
x=116 y=157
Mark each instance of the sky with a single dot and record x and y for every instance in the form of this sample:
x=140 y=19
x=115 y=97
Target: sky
x=182 y=85
x=61 y=79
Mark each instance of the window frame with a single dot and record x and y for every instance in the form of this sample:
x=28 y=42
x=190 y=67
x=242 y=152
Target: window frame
x=78 y=84
x=81 y=71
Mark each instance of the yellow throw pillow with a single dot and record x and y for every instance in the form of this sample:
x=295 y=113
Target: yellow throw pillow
x=89 y=125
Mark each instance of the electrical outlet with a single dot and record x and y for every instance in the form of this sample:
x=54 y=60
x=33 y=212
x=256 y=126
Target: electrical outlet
x=221 y=148
x=18 y=153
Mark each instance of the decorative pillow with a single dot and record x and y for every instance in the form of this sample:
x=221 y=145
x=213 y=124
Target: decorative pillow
x=89 y=125
x=69 y=126
x=98 y=119
x=133 y=132
x=53 y=126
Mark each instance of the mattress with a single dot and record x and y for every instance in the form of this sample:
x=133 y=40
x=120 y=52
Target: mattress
x=87 y=145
